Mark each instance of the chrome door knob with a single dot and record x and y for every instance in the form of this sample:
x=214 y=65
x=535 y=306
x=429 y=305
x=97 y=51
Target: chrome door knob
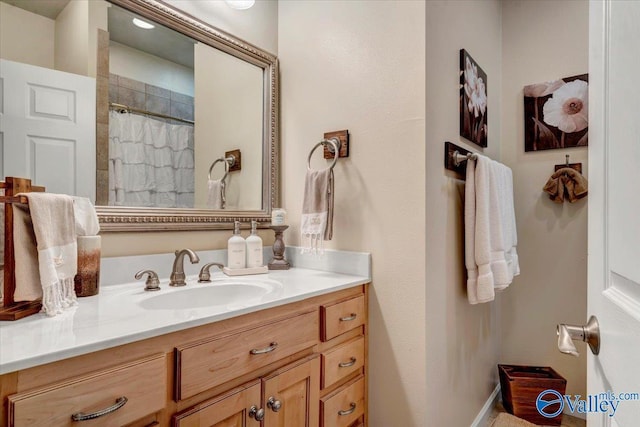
x=589 y=333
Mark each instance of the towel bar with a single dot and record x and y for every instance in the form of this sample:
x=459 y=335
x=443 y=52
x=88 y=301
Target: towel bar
x=455 y=158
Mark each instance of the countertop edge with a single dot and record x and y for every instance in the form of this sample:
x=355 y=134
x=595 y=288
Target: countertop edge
x=38 y=360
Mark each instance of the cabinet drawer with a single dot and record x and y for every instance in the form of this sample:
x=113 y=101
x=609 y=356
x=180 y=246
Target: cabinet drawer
x=207 y=364
x=339 y=362
x=341 y=409
x=341 y=317
x=142 y=383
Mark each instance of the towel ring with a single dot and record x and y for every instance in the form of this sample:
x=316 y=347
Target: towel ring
x=228 y=162
x=334 y=147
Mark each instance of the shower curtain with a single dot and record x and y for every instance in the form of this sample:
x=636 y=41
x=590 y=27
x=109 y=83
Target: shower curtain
x=150 y=162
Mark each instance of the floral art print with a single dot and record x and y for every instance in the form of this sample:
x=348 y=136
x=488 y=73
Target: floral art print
x=556 y=114
x=473 y=100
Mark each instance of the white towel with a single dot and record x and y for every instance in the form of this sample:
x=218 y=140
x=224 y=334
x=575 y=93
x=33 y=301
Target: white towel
x=215 y=194
x=490 y=231
x=317 y=210
x=44 y=235
x=85 y=216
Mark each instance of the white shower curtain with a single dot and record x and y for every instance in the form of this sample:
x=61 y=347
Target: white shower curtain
x=150 y=162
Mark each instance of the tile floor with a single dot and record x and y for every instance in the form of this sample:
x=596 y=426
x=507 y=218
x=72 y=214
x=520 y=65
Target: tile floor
x=567 y=420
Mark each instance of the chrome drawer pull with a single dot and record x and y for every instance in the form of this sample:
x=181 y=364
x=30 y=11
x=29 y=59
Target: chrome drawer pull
x=269 y=349
x=348 y=318
x=348 y=411
x=347 y=364
x=80 y=416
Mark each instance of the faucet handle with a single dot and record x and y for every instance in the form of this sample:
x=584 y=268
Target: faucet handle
x=205 y=276
x=152 y=283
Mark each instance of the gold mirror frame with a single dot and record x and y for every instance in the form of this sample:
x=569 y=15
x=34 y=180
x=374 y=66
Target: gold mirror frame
x=158 y=219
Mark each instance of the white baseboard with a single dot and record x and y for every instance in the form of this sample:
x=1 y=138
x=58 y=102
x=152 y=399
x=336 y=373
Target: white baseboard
x=485 y=412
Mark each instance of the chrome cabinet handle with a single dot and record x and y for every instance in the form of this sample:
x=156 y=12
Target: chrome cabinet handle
x=348 y=318
x=348 y=411
x=256 y=414
x=269 y=349
x=81 y=416
x=347 y=364
x=274 y=404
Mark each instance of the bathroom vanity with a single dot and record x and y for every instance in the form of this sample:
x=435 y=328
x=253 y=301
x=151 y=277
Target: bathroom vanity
x=293 y=355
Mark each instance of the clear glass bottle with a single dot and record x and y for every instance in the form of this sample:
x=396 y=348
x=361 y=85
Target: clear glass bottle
x=236 y=249
x=254 y=247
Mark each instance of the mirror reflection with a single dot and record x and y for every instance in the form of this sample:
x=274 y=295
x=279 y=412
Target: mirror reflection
x=186 y=121
x=178 y=107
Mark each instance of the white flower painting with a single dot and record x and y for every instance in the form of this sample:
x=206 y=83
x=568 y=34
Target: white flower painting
x=557 y=114
x=473 y=100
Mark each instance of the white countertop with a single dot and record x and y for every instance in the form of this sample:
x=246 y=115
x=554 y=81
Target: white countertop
x=118 y=316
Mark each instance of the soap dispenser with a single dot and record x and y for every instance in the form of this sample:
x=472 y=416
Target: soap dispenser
x=236 y=249
x=254 y=247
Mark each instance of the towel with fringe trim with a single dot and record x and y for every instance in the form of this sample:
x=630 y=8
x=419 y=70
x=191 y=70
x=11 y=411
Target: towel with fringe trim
x=317 y=210
x=44 y=235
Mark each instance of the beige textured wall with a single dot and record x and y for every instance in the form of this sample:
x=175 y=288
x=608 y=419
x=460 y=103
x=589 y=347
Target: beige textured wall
x=361 y=66
x=72 y=38
x=229 y=116
x=542 y=43
x=463 y=340
x=26 y=37
x=144 y=67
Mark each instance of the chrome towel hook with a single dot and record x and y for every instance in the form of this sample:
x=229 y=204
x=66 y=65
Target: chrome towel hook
x=228 y=162
x=334 y=147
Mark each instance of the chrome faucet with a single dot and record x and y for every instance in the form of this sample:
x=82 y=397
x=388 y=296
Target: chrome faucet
x=177 y=273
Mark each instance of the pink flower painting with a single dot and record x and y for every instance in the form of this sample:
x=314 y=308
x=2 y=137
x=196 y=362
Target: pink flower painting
x=556 y=114
x=473 y=100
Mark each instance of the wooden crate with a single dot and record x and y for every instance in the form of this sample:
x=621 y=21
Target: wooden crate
x=521 y=386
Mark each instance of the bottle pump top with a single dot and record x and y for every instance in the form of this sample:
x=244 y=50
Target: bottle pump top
x=236 y=227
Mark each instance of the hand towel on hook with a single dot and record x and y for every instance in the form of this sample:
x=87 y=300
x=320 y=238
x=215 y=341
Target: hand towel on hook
x=317 y=210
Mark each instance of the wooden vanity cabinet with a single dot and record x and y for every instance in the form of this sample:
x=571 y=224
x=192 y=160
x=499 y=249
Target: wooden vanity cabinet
x=286 y=397
x=315 y=375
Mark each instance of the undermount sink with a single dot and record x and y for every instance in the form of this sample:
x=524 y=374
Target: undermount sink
x=200 y=295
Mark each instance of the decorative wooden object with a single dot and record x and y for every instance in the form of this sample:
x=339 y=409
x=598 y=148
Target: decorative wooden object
x=10 y=309
x=449 y=164
x=237 y=165
x=278 y=262
x=343 y=136
x=575 y=166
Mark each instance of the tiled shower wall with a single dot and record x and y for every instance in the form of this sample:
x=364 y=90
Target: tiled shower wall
x=137 y=94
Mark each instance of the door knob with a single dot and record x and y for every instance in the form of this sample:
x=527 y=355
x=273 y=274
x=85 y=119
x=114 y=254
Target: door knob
x=589 y=333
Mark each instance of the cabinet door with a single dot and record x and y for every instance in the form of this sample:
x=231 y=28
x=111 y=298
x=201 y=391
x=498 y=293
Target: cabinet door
x=291 y=395
x=229 y=410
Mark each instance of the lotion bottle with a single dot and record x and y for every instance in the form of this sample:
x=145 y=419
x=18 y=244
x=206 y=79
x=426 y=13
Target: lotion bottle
x=236 y=249
x=254 y=247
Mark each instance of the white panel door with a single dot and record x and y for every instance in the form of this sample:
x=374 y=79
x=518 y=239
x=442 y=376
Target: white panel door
x=48 y=128
x=614 y=207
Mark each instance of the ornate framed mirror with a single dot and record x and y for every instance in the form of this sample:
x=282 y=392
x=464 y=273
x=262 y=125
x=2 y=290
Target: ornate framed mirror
x=259 y=114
